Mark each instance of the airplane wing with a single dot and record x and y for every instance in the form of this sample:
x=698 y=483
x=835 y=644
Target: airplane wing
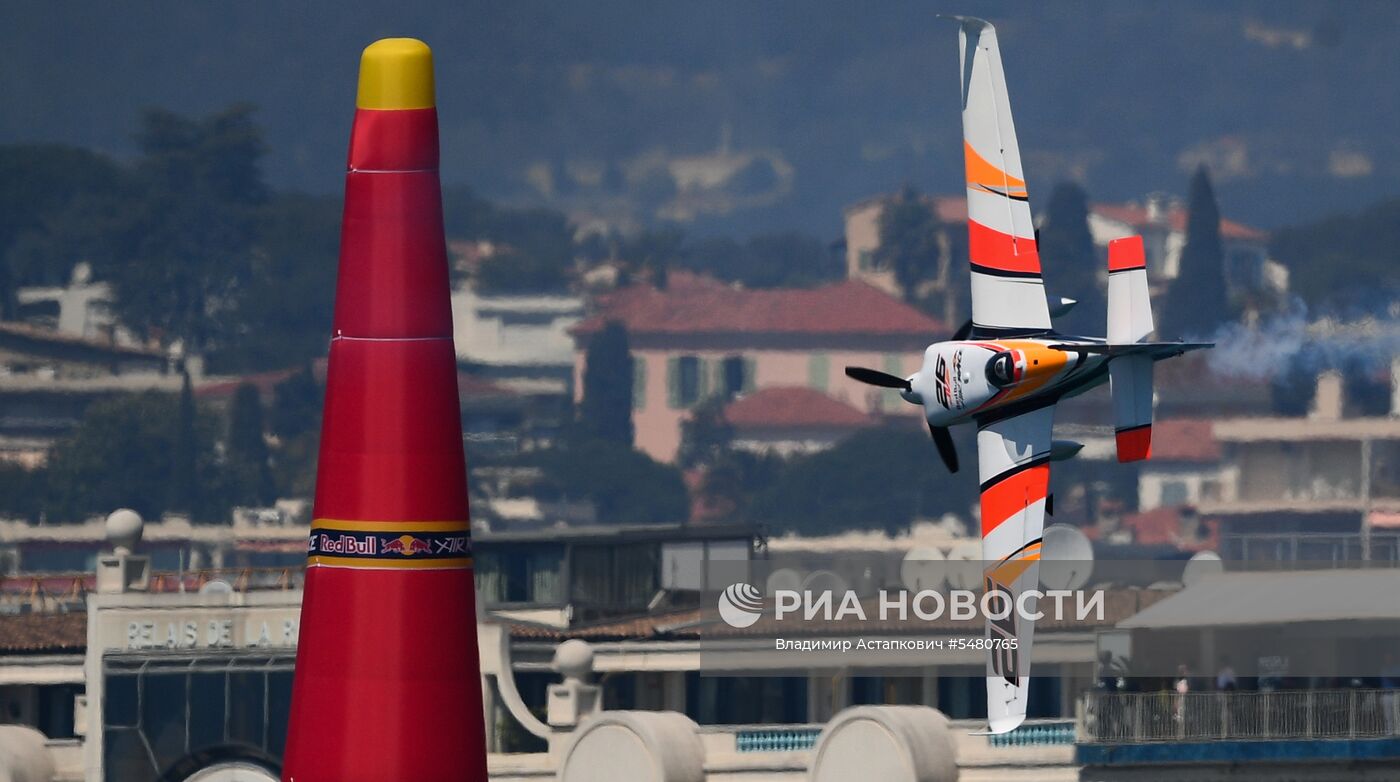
x=1013 y=459
x=1008 y=296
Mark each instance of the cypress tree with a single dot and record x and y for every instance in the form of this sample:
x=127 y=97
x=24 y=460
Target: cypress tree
x=1070 y=262
x=184 y=477
x=606 y=410
x=247 y=449
x=1198 y=303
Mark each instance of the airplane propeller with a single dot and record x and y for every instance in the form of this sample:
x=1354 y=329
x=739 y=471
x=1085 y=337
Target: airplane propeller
x=941 y=438
x=946 y=449
x=874 y=377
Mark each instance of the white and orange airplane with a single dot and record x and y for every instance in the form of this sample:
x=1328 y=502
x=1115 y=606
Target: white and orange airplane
x=1005 y=369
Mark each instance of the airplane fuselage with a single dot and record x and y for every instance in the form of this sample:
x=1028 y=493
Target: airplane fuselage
x=966 y=380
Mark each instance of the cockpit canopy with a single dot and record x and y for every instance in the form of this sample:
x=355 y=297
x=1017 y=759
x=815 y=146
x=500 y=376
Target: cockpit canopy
x=1001 y=369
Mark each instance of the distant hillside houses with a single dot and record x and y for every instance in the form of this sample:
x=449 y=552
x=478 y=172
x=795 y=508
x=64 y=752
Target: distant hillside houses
x=1159 y=218
x=699 y=338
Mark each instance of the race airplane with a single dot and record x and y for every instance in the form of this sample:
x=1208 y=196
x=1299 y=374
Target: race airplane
x=1005 y=369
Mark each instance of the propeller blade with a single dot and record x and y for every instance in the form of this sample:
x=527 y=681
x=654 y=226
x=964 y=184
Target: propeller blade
x=964 y=331
x=875 y=377
x=946 y=449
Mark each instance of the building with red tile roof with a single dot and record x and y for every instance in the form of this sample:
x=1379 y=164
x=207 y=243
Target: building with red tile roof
x=699 y=338
x=694 y=305
x=792 y=419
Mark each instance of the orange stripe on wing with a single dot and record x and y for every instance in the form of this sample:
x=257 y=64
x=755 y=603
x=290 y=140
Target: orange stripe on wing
x=981 y=173
x=1013 y=494
x=1007 y=572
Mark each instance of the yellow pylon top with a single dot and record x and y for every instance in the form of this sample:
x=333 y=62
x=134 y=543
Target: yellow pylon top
x=396 y=73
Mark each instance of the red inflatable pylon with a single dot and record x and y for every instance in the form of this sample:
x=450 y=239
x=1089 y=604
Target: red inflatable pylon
x=388 y=683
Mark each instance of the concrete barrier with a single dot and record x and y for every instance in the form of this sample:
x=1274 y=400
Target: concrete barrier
x=637 y=746
x=888 y=743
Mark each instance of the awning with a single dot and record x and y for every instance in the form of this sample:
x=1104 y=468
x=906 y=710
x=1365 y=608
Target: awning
x=12 y=672
x=1243 y=599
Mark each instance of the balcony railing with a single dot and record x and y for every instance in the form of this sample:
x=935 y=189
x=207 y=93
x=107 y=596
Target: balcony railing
x=68 y=591
x=1131 y=718
x=1316 y=549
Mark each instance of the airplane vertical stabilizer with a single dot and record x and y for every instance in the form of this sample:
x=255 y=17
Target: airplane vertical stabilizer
x=1129 y=306
x=1129 y=322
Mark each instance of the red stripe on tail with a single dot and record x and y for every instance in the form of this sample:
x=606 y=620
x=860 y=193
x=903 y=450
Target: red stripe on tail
x=1126 y=253
x=1134 y=444
x=1004 y=252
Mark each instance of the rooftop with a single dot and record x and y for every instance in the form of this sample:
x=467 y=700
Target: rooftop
x=43 y=633
x=692 y=304
x=1240 y=599
x=1136 y=216
x=792 y=408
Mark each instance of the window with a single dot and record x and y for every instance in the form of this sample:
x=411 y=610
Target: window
x=161 y=709
x=639 y=383
x=1174 y=493
x=617 y=576
x=684 y=381
x=520 y=574
x=818 y=370
x=733 y=373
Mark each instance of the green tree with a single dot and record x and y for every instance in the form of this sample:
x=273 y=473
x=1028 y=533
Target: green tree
x=653 y=252
x=295 y=418
x=626 y=486
x=766 y=261
x=39 y=183
x=735 y=479
x=250 y=478
x=296 y=404
x=875 y=479
x=705 y=435
x=1197 y=302
x=1343 y=259
x=183 y=491
x=908 y=241
x=534 y=247
x=21 y=492
x=1070 y=262
x=179 y=250
x=124 y=454
x=606 y=410
x=281 y=314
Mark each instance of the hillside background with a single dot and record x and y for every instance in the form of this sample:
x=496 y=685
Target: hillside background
x=738 y=117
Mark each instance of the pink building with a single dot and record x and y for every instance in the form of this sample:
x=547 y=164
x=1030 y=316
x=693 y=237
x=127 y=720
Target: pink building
x=700 y=338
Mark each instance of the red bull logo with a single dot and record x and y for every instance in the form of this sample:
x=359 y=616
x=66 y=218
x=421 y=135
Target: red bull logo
x=346 y=544
x=407 y=545
x=336 y=543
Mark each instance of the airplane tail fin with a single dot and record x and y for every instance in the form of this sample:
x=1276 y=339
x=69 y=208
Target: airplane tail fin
x=1129 y=322
x=1130 y=378
x=1129 y=307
